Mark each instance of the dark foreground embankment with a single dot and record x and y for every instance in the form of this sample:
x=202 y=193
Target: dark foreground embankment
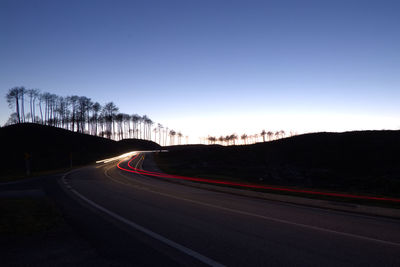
x=48 y=148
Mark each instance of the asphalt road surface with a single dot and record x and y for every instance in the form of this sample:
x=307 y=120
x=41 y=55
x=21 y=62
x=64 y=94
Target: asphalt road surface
x=164 y=223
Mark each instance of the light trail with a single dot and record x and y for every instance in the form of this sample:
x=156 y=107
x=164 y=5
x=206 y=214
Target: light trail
x=247 y=185
x=123 y=156
x=126 y=155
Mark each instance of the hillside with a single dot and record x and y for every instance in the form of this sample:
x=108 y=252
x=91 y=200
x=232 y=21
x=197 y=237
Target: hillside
x=52 y=148
x=362 y=161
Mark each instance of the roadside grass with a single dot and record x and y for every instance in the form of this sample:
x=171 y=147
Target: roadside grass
x=13 y=176
x=28 y=216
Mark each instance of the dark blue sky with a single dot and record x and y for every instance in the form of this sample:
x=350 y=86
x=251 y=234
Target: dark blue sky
x=213 y=66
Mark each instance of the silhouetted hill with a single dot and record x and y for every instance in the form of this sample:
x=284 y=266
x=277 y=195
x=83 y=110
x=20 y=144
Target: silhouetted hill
x=137 y=144
x=360 y=161
x=51 y=147
x=189 y=146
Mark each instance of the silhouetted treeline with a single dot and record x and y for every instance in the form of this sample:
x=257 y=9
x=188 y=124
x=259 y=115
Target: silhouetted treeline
x=81 y=114
x=233 y=139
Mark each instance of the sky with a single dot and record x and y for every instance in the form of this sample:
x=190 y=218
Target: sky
x=213 y=67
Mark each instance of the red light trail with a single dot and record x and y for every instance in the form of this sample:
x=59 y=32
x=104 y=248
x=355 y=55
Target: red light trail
x=246 y=185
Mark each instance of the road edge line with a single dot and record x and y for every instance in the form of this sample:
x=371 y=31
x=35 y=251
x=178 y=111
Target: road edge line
x=142 y=229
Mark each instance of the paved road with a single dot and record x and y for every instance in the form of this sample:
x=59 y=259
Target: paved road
x=173 y=224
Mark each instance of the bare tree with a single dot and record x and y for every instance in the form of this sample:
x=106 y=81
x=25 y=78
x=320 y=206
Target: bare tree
x=160 y=127
x=84 y=105
x=73 y=102
x=277 y=134
x=270 y=135
x=172 y=134
x=41 y=100
x=62 y=110
x=221 y=140
x=180 y=138
x=263 y=133
x=211 y=139
x=255 y=136
x=155 y=131
x=119 y=119
x=244 y=138
x=135 y=121
x=149 y=124
x=22 y=92
x=233 y=138
x=13 y=101
x=282 y=133
x=227 y=139
x=126 y=118
x=96 y=109
x=110 y=109
x=32 y=93
x=166 y=134
x=140 y=124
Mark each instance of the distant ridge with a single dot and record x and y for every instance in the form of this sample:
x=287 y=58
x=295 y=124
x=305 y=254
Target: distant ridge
x=360 y=161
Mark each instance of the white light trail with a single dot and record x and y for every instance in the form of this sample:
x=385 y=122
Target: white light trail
x=127 y=155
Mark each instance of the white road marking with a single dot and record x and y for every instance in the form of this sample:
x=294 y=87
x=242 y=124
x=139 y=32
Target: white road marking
x=142 y=229
x=255 y=215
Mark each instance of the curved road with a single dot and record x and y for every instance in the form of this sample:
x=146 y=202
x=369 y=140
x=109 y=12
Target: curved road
x=183 y=225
